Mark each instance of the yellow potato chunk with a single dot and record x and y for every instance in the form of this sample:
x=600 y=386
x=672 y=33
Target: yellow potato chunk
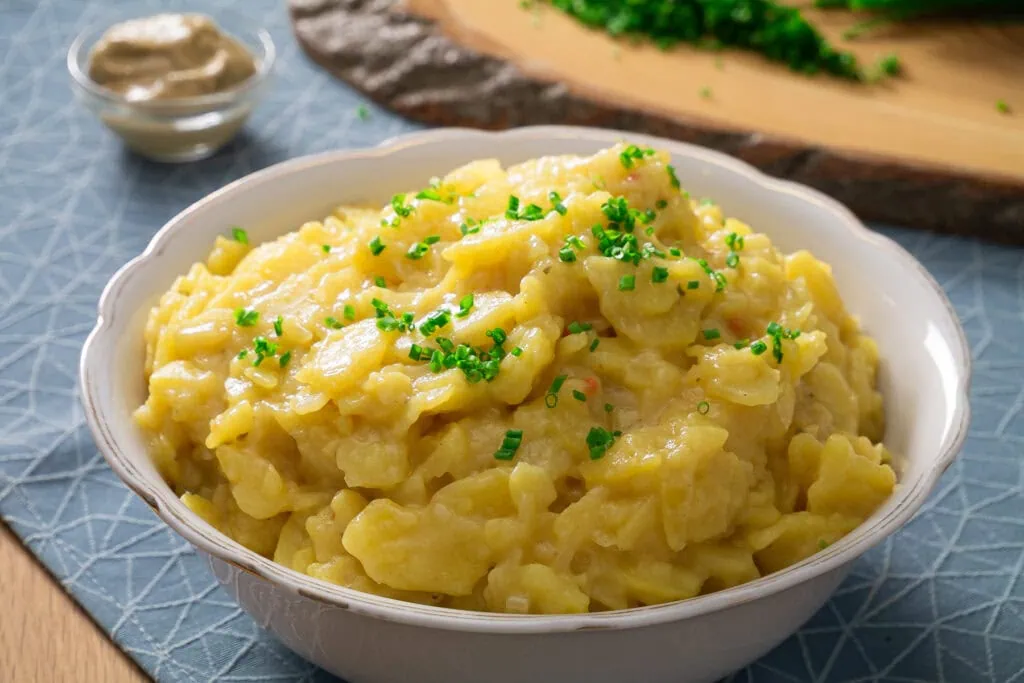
x=425 y=549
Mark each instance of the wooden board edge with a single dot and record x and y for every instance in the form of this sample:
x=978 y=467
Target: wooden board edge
x=406 y=63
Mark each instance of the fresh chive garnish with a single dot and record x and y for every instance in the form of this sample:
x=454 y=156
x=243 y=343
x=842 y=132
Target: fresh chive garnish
x=712 y=333
x=239 y=235
x=376 y=246
x=432 y=195
x=556 y=203
x=659 y=274
x=717 y=277
x=758 y=347
x=285 y=359
x=593 y=344
x=566 y=255
x=242 y=354
x=703 y=407
x=660 y=204
x=608 y=407
x=742 y=344
x=279 y=326
x=326 y=248
x=512 y=210
x=465 y=306
x=350 y=312
x=627 y=283
x=579 y=395
x=576 y=327
x=632 y=154
x=693 y=284
x=470 y=227
x=1003 y=107
x=599 y=440
x=333 y=323
x=380 y=281
x=400 y=207
x=246 y=317
x=509 y=445
x=672 y=178
x=516 y=351
x=551 y=398
x=362 y=112
x=675 y=251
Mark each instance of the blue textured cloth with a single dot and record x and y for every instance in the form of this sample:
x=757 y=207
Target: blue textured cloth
x=943 y=601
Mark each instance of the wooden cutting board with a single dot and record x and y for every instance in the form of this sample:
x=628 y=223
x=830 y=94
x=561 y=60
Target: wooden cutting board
x=929 y=149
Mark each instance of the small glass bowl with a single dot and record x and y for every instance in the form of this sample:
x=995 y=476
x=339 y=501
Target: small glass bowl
x=182 y=129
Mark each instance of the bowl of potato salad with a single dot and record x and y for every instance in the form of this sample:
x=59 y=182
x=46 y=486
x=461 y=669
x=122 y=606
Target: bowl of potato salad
x=551 y=404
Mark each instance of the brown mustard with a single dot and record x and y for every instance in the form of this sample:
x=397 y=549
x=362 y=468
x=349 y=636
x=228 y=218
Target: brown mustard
x=167 y=57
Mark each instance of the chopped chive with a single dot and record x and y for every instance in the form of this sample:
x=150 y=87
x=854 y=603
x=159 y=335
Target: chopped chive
x=608 y=407
x=417 y=251
x=556 y=203
x=350 y=312
x=693 y=284
x=509 y=445
x=376 y=246
x=672 y=178
x=512 y=212
x=599 y=440
x=333 y=322
x=566 y=254
x=432 y=195
x=632 y=153
x=517 y=351
x=246 y=317
x=593 y=344
x=732 y=260
x=285 y=358
x=556 y=385
x=362 y=112
x=326 y=248
x=822 y=544
x=742 y=344
x=579 y=395
x=627 y=283
x=758 y=347
x=659 y=274
x=577 y=327
x=380 y=281
x=705 y=92
x=712 y=333
x=279 y=326
x=415 y=351
x=239 y=235
x=243 y=353
x=470 y=227
x=703 y=407
x=465 y=306
x=660 y=204
x=1003 y=107
x=400 y=207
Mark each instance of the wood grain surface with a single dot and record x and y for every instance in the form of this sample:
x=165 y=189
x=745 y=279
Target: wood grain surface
x=44 y=636
x=929 y=151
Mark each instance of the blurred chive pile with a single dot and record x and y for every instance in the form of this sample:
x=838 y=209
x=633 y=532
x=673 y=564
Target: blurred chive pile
x=777 y=31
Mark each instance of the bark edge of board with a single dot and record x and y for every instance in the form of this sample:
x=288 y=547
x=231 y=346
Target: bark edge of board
x=406 y=63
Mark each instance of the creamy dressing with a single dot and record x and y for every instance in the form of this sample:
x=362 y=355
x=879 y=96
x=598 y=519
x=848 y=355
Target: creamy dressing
x=169 y=56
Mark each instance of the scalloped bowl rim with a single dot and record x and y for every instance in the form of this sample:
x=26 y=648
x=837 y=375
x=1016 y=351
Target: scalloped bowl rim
x=173 y=512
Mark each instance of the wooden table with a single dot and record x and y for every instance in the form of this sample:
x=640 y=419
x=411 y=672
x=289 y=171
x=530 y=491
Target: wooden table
x=45 y=636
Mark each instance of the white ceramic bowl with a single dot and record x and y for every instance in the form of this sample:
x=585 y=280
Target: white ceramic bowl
x=367 y=639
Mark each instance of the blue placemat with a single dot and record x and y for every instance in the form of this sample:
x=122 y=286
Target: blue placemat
x=943 y=601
